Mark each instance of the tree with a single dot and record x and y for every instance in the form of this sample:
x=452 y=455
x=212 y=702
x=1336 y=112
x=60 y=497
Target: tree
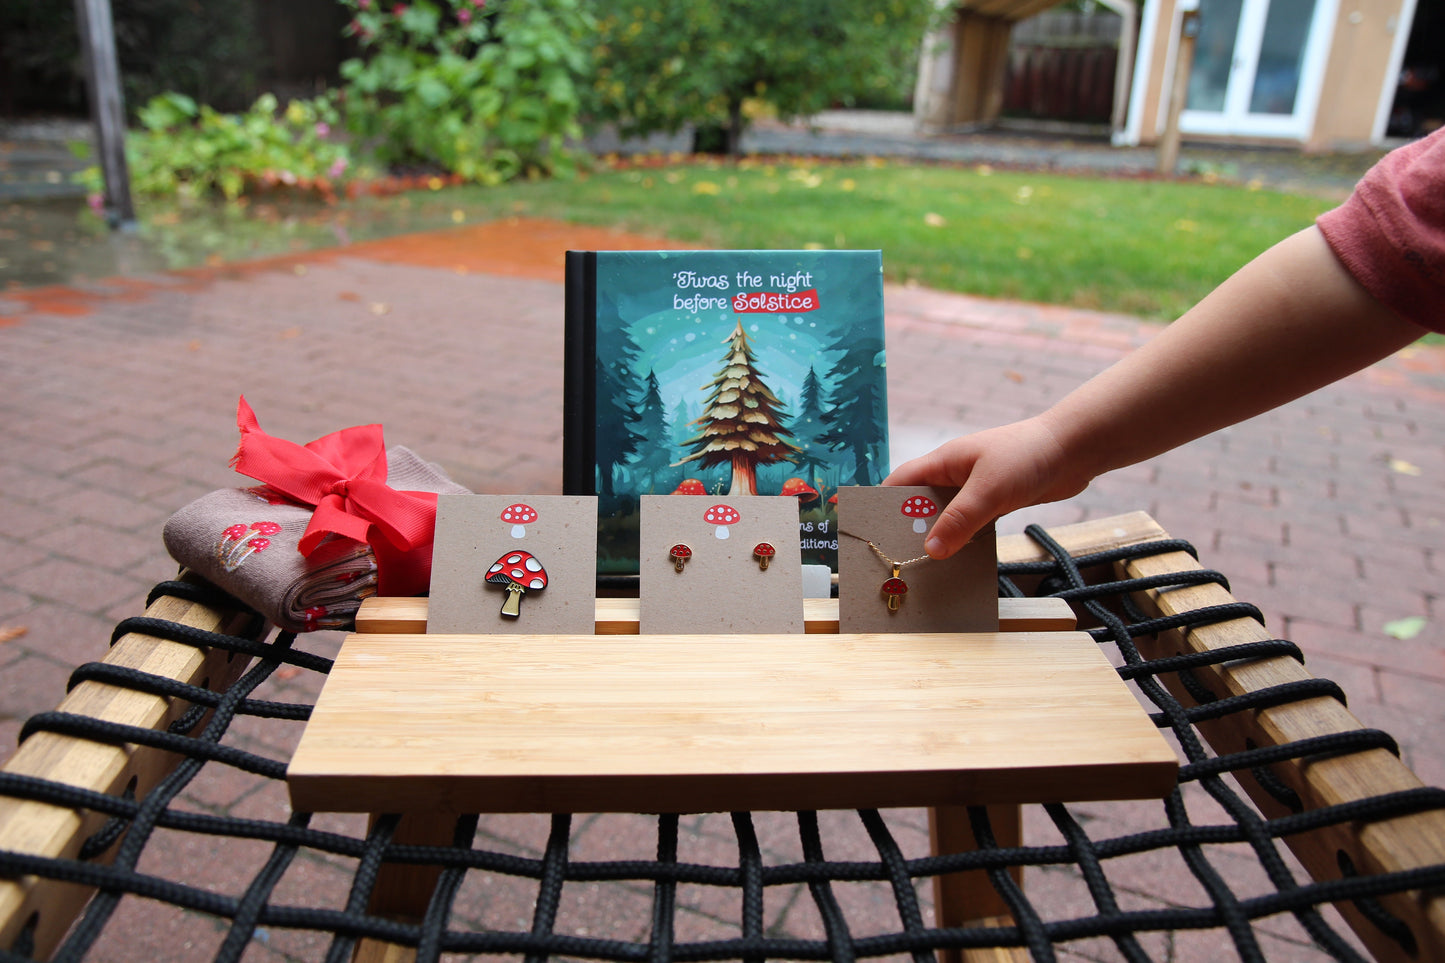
x=656 y=444
x=662 y=64
x=741 y=421
x=858 y=412
x=808 y=426
x=488 y=94
x=617 y=416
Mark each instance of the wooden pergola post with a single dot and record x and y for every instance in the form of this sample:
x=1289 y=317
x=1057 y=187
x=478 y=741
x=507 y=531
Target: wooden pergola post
x=981 y=60
x=107 y=107
x=1167 y=159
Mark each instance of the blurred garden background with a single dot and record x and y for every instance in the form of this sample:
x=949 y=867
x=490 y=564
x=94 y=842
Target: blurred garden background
x=266 y=127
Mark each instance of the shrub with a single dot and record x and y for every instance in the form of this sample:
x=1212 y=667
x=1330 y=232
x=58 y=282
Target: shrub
x=484 y=94
x=193 y=152
x=663 y=64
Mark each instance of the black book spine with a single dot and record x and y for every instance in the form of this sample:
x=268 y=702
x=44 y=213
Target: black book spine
x=579 y=391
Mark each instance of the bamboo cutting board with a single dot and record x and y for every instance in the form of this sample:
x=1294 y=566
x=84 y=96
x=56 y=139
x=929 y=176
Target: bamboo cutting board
x=412 y=723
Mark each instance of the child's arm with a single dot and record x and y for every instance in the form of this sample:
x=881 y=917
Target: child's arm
x=1290 y=321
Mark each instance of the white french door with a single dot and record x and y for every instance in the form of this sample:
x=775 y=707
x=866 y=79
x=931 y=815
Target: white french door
x=1257 y=67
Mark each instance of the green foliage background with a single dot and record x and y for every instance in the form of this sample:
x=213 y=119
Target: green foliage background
x=485 y=94
x=659 y=65
x=190 y=151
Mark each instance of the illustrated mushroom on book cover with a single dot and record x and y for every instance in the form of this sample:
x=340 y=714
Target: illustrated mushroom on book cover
x=723 y=373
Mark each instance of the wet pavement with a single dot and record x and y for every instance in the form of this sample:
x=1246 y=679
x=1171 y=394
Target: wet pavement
x=47 y=235
x=118 y=407
x=119 y=402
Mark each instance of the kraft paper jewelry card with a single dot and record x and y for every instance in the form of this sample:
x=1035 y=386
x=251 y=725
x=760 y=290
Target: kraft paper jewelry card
x=509 y=564
x=887 y=582
x=720 y=565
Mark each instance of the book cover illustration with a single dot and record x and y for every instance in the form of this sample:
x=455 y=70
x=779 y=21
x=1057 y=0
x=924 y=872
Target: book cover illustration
x=733 y=373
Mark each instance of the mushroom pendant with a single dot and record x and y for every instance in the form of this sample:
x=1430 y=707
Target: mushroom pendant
x=894 y=588
x=517 y=572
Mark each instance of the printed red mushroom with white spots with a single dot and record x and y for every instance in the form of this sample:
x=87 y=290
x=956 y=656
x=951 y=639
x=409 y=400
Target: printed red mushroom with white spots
x=722 y=516
x=519 y=516
x=920 y=508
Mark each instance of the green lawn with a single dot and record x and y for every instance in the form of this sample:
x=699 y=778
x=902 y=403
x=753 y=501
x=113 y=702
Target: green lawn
x=1144 y=247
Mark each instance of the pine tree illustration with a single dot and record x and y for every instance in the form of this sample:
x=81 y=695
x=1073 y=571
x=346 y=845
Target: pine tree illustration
x=654 y=459
x=814 y=457
x=856 y=412
x=742 y=420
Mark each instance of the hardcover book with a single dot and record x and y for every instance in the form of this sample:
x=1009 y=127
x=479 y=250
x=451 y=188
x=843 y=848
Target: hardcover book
x=723 y=373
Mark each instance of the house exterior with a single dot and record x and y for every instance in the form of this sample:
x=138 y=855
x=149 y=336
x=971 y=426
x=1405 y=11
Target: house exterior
x=1321 y=74
x=1317 y=74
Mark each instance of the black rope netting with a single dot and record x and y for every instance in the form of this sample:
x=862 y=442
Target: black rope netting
x=747 y=906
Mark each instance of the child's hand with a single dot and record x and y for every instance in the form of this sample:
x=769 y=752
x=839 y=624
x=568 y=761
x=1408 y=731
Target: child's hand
x=999 y=470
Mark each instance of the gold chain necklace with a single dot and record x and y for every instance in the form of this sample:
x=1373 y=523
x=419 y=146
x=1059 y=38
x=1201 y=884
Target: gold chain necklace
x=893 y=587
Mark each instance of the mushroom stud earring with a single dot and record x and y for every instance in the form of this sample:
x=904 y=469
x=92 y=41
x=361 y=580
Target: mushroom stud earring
x=679 y=554
x=763 y=552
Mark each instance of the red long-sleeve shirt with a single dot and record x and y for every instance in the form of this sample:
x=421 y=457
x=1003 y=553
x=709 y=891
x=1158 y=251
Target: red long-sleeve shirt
x=1390 y=234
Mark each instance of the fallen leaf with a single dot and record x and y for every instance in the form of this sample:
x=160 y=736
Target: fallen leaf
x=934 y=220
x=1403 y=467
x=1014 y=376
x=380 y=307
x=348 y=296
x=289 y=333
x=1406 y=628
x=11 y=632
x=194 y=344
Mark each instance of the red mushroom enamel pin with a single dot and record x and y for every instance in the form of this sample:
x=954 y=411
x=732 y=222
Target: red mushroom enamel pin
x=763 y=553
x=517 y=572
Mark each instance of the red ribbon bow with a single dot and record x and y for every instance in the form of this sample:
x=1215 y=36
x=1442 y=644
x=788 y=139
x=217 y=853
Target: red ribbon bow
x=343 y=475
